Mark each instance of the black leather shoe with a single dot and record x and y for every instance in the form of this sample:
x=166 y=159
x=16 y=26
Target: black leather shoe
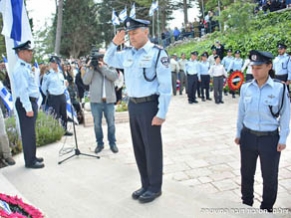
x=148 y=196
x=98 y=149
x=36 y=165
x=195 y=101
x=114 y=149
x=68 y=133
x=136 y=194
x=39 y=159
x=221 y=102
x=209 y=99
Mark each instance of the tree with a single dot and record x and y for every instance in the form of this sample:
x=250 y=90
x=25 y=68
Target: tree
x=59 y=27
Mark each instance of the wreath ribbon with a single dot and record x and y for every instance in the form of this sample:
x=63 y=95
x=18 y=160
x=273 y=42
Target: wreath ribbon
x=235 y=80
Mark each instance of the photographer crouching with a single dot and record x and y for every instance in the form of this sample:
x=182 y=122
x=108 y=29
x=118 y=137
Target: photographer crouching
x=102 y=97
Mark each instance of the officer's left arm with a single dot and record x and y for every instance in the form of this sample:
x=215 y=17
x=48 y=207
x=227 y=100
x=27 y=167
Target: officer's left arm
x=289 y=70
x=164 y=84
x=21 y=83
x=284 y=118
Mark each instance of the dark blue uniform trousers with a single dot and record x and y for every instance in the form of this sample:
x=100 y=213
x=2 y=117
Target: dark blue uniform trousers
x=147 y=144
x=58 y=104
x=27 y=128
x=192 y=87
x=252 y=146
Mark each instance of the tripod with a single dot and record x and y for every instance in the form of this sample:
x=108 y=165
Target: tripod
x=77 y=150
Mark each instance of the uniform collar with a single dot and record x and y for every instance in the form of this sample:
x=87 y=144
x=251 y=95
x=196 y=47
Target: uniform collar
x=269 y=82
x=24 y=62
x=147 y=47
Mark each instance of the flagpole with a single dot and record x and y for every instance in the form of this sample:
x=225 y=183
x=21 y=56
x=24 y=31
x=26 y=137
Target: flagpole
x=153 y=27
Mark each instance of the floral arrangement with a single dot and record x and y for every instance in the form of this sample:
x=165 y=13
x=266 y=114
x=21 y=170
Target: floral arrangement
x=14 y=207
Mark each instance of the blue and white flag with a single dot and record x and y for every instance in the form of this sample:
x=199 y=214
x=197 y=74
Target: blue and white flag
x=6 y=97
x=70 y=108
x=114 y=19
x=132 y=11
x=153 y=8
x=123 y=15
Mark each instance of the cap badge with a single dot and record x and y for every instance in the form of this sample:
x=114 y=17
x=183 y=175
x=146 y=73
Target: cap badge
x=128 y=24
x=254 y=57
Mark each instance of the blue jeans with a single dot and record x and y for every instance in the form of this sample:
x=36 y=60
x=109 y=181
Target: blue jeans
x=108 y=109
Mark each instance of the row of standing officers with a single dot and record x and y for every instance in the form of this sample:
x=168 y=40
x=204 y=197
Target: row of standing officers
x=195 y=75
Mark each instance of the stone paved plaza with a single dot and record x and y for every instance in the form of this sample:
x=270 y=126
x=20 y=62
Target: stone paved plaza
x=201 y=170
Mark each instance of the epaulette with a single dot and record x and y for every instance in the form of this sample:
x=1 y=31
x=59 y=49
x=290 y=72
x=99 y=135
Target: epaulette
x=278 y=81
x=248 y=81
x=22 y=64
x=48 y=72
x=158 y=47
x=127 y=47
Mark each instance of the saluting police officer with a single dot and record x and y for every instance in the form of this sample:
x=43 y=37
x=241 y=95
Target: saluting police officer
x=53 y=86
x=148 y=82
x=262 y=129
x=282 y=65
x=26 y=92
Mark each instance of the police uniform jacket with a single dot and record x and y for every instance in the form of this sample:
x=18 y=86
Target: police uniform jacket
x=254 y=112
x=226 y=61
x=24 y=83
x=282 y=65
x=96 y=80
x=141 y=62
x=53 y=83
x=236 y=64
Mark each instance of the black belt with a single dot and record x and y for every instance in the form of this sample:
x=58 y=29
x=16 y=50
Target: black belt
x=103 y=100
x=259 y=133
x=144 y=99
x=32 y=99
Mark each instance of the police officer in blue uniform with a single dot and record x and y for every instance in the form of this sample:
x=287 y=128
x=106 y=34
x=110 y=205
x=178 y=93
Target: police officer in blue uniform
x=53 y=87
x=192 y=70
x=148 y=83
x=26 y=92
x=236 y=64
x=262 y=129
x=282 y=65
x=204 y=77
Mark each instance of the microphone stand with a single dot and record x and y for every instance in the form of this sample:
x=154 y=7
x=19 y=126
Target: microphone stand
x=77 y=150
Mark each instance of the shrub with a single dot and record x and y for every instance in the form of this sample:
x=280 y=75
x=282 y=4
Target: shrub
x=121 y=107
x=47 y=129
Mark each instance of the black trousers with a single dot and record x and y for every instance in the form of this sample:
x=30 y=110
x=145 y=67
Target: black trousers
x=205 y=81
x=147 y=144
x=58 y=104
x=27 y=128
x=192 y=87
x=265 y=147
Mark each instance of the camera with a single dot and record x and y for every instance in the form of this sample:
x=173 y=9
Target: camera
x=95 y=56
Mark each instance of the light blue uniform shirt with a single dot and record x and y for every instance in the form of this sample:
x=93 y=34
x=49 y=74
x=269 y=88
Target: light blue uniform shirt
x=236 y=64
x=226 y=61
x=192 y=67
x=54 y=83
x=282 y=65
x=254 y=112
x=204 y=68
x=24 y=84
x=134 y=62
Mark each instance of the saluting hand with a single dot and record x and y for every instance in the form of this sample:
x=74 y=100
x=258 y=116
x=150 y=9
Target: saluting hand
x=119 y=38
x=29 y=114
x=281 y=147
x=157 y=121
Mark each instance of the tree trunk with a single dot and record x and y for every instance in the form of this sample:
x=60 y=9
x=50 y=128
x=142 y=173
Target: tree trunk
x=185 y=8
x=59 y=27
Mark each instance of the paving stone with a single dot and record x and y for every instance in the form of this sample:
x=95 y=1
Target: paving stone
x=226 y=184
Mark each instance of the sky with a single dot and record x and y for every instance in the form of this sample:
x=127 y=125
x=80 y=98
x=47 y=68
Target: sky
x=42 y=11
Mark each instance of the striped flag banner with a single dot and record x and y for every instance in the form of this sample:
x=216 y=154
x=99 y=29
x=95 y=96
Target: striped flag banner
x=70 y=108
x=6 y=97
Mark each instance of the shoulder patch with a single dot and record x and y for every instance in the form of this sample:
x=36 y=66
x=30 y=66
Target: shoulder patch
x=48 y=72
x=165 y=61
